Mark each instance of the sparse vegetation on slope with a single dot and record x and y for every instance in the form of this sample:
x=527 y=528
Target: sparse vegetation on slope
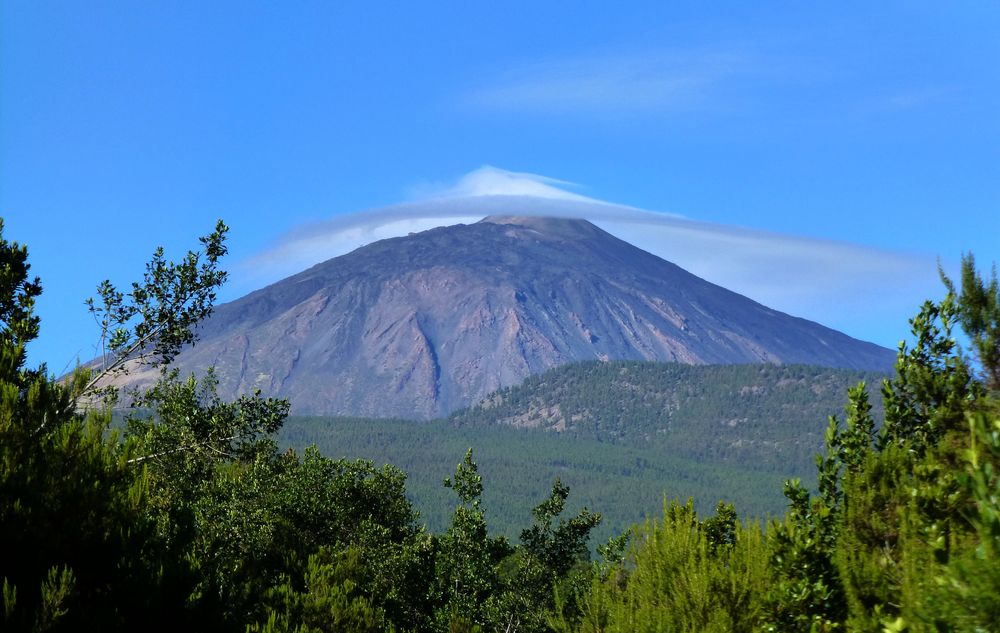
x=764 y=416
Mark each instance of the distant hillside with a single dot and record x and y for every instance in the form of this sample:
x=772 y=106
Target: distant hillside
x=622 y=435
x=518 y=466
x=739 y=413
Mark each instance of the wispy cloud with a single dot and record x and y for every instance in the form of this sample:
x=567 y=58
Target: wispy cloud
x=864 y=291
x=911 y=98
x=483 y=191
x=492 y=181
x=650 y=81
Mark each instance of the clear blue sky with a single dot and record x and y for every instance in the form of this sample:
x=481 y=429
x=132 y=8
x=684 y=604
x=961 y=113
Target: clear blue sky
x=125 y=125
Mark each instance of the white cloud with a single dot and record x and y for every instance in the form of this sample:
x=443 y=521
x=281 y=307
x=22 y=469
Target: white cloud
x=484 y=191
x=864 y=291
x=491 y=181
x=910 y=99
x=650 y=81
x=315 y=243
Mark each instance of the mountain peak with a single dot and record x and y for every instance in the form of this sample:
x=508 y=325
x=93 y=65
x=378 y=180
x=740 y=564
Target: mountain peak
x=418 y=326
x=565 y=227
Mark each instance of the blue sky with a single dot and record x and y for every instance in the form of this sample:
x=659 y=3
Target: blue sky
x=126 y=125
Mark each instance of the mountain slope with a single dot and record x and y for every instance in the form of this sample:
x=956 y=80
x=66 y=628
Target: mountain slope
x=764 y=414
x=419 y=326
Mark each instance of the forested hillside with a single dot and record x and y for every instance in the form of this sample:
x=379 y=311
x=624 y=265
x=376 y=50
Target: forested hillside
x=709 y=432
x=191 y=518
x=518 y=467
x=763 y=416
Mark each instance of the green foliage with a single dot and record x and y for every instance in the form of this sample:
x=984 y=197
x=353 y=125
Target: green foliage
x=979 y=313
x=868 y=556
x=958 y=587
x=807 y=594
x=735 y=432
x=339 y=505
x=891 y=541
x=677 y=579
x=70 y=506
x=933 y=386
x=556 y=549
x=191 y=429
x=720 y=530
x=235 y=515
x=56 y=590
x=18 y=323
x=467 y=557
x=484 y=582
x=468 y=484
x=155 y=319
x=327 y=600
x=553 y=560
x=191 y=516
x=981 y=481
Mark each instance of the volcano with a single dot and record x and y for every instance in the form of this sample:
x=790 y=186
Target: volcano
x=419 y=326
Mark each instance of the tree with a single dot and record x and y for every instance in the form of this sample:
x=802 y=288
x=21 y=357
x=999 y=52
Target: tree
x=124 y=559
x=978 y=303
x=895 y=538
x=557 y=549
x=59 y=468
x=328 y=600
x=150 y=324
x=681 y=575
x=18 y=323
x=467 y=557
x=188 y=517
x=553 y=559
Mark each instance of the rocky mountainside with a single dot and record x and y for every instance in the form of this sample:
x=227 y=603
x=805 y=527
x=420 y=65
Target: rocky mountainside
x=419 y=326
